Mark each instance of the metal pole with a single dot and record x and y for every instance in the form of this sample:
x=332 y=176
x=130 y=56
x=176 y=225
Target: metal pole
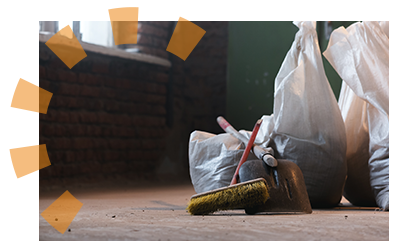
x=76 y=28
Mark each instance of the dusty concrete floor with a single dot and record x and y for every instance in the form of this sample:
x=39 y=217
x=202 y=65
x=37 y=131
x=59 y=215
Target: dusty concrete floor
x=155 y=213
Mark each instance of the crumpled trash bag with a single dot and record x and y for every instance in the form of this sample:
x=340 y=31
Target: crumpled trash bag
x=213 y=159
x=306 y=126
x=360 y=55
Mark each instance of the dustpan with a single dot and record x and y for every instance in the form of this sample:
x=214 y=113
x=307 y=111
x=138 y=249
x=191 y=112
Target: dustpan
x=286 y=187
x=285 y=181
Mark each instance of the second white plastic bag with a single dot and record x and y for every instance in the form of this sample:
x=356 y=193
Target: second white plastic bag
x=354 y=111
x=360 y=55
x=308 y=126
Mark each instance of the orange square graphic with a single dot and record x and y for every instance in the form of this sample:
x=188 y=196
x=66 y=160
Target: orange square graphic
x=181 y=18
x=185 y=38
x=124 y=24
x=124 y=14
x=62 y=211
x=30 y=97
x=44 y=160
x=124 y=32
x=27 y=160
x=67 y=47
x=44 y=100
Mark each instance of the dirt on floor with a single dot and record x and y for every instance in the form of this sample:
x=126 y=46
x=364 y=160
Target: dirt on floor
x=158 y=212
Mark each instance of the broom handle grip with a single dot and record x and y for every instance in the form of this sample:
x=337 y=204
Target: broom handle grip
x=227 y=127
x=265 y=154
x=246 y=151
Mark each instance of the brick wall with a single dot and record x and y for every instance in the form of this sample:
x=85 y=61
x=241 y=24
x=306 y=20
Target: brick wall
x=152 y=39
x=111 y=116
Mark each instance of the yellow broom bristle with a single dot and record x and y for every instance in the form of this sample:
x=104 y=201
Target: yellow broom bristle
x=240 y=196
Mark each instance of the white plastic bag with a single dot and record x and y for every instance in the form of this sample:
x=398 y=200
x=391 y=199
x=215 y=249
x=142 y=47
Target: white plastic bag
x=306 y=128
x=213 y=159
x=357 y=189
x=360 y=55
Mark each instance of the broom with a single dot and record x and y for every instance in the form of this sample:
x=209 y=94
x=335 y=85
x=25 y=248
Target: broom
x=242 y=195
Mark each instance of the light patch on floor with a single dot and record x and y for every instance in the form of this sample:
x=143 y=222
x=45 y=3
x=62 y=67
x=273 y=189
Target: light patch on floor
x=155 y=213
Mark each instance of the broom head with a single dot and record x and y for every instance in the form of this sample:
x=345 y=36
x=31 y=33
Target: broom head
x=242 y=195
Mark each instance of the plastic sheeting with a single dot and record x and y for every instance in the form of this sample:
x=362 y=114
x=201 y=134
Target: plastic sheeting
x=360 y=55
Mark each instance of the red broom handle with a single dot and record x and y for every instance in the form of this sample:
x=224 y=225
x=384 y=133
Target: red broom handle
x=246 y=151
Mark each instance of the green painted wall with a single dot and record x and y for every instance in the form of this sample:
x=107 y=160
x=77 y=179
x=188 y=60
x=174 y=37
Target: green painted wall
x=255 y=53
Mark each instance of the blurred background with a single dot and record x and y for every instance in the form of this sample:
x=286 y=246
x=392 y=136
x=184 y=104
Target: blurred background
x=120 y=118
